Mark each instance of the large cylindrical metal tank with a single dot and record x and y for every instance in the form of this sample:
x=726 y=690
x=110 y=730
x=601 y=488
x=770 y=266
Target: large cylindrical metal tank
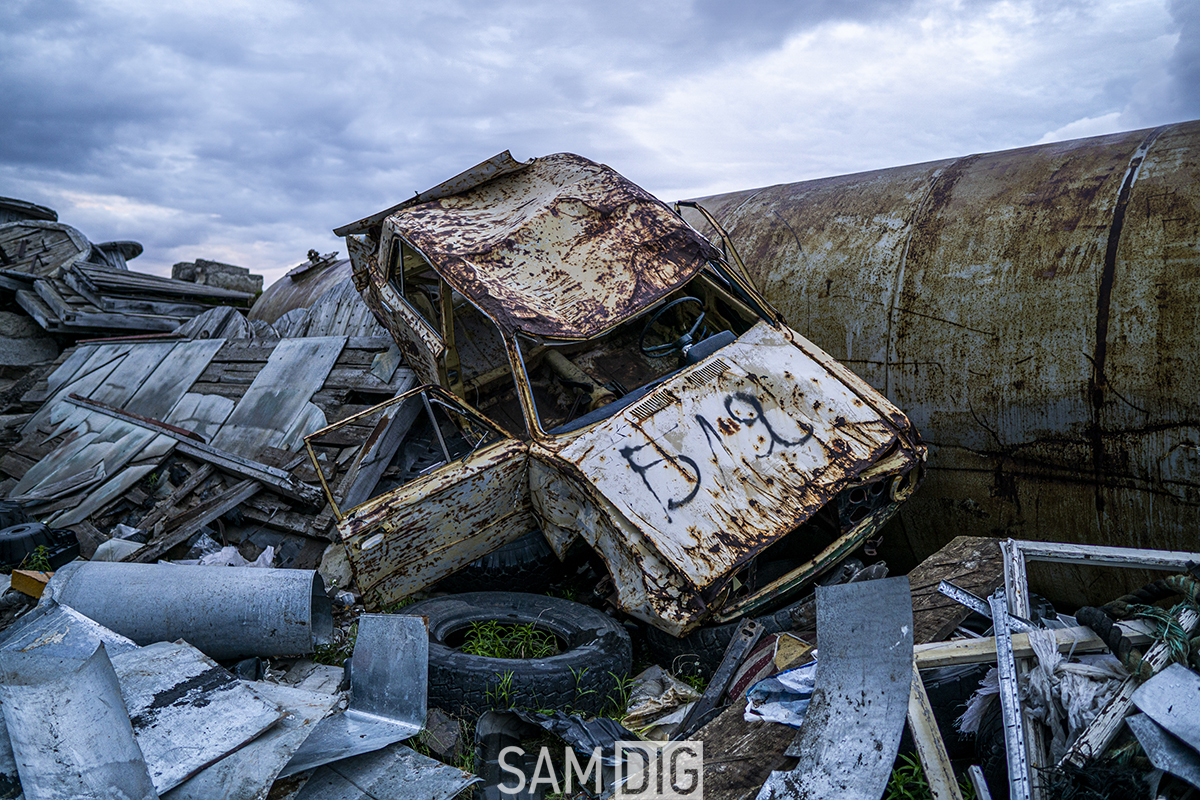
x=1035 y=313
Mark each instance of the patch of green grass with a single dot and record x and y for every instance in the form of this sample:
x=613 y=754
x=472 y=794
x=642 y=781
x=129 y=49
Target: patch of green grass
x=695 y=681
x=37 y=560
x=335 y=653
x=503 y=640
x=908 y=782
x=500 y=695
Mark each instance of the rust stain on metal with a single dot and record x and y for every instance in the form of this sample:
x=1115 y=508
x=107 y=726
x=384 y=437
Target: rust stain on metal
x=563 y=248
x=1032 y=310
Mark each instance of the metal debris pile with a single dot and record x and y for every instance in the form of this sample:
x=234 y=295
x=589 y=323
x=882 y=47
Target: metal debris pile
x=535 y=480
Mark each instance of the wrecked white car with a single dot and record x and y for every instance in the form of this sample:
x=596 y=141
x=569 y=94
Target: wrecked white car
x=602 y=371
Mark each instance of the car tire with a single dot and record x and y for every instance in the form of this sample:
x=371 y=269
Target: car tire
x=585 y=677
x=527 y=562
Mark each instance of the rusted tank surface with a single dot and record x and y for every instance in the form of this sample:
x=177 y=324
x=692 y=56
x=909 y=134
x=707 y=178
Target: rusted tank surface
x=1034 y=311
x=301 y=286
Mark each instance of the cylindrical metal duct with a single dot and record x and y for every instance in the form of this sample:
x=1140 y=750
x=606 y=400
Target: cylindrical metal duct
x=1033 y=311
x=226 y=612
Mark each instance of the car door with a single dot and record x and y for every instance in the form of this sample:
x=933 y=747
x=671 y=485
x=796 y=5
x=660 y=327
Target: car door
x=460 y=492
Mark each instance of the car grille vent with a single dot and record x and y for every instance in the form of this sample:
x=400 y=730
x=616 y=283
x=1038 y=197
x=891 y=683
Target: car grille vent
x=708 y=373
x=656 y=402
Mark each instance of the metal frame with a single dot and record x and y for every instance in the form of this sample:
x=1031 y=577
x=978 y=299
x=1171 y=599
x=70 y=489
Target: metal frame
x=1016 y=554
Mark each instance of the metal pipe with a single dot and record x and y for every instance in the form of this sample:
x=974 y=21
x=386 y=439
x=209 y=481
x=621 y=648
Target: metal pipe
x=1033 y=311
x=226 y=612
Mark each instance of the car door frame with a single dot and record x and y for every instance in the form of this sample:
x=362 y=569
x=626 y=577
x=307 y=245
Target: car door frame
x=408 y=538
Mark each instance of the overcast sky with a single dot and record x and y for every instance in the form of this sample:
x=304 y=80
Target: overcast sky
x=245 y=131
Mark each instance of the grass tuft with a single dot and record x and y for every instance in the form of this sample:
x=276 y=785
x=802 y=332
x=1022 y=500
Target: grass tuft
x=504 y=640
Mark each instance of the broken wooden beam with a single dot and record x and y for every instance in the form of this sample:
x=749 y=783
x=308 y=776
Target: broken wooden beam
x=191 y=521
x=166 y=507
x=983 y=651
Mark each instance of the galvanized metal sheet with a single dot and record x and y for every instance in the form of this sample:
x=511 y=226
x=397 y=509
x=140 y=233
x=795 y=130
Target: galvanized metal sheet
x=851 y=731
x=719 y=462
x=1033 y=310
x=56 y=630
x=71 y=736
x=395 y=773
x=388 y=680
x=247 y=773
x=227 y=613
x=295 y=369
x=1172 y=699
x=564 y=247
x=1166 y=752
x=186 y=710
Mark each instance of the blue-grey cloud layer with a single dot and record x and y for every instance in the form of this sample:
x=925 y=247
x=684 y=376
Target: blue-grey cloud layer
x=247 y=131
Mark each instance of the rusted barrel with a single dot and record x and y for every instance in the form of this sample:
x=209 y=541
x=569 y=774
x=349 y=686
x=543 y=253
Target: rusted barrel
x=1035 y=313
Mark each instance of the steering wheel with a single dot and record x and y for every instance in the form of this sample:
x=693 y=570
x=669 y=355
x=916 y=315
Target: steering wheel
x=683 y=342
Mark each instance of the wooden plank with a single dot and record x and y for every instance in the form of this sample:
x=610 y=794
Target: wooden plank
x=81 y=286
x=369 y=342
x=89 y=538
x=100 y=363
x=238 y=350
x=356 y=378
x=162 y=308
x=170 y=380
x=931 y=748
x=202 y=414
x=281 y=519
x=932 y=655
x=167 y=507
x=64 y=369
x=130 y=282
x=973 y=563
x=123 y=383
x=184 y=525
x=53 y=491
x=15 y=465
x=277 y=479
x=296 y=369
x=139 y=464
x=30 y=582
x=50 y=296
x=36 y=307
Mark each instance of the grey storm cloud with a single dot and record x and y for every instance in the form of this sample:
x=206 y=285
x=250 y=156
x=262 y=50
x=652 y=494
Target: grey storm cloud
x=247 y=131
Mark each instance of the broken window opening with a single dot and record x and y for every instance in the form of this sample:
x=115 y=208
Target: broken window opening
x=573 y=384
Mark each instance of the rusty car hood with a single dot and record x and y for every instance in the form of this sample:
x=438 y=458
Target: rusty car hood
x=727 y=456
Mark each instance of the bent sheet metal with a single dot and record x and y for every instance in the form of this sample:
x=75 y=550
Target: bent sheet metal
x=851 y=732
x=389 y=673
x=88 y=750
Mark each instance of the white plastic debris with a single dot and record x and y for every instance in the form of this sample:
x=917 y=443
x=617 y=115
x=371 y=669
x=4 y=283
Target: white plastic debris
x=782 y=698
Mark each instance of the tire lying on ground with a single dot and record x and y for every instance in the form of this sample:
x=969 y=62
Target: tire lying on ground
x=528 y=563
x=585 y=676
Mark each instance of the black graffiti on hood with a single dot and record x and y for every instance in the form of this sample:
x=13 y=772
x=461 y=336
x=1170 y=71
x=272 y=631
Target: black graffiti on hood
x=680 y=461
